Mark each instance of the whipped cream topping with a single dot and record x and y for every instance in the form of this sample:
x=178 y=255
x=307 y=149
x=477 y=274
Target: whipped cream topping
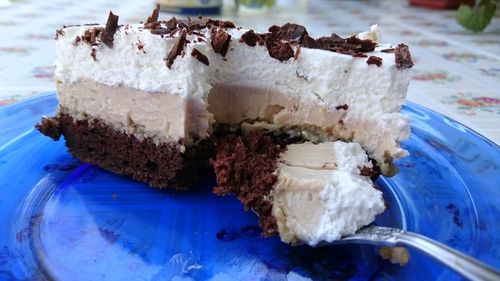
x=373 y=94
x=320 y=194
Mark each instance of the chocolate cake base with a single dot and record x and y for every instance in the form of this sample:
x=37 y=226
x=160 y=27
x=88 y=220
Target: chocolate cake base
x=244 y=166
x=161 y=166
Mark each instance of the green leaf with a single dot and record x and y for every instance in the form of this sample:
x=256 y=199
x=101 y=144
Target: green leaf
x=476 y=18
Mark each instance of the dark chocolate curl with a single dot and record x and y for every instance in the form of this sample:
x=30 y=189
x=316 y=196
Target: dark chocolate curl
x=110 y=29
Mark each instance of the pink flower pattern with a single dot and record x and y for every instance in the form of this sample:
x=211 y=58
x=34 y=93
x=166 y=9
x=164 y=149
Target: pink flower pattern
x=438 y=76
x=471 y=105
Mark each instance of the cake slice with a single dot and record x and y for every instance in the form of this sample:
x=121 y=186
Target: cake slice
x=139 y=99
x=157 y=100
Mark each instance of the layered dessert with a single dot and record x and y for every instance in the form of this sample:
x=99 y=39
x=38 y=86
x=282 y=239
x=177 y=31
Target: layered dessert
x=158 y=100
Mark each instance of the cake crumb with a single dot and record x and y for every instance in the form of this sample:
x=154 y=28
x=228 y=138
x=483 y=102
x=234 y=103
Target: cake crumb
x=403 y=57
x=140 y=46
x=396 y=255
x=374 y=60
x=49 y=127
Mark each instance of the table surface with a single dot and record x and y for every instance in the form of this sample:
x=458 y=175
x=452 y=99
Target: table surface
x=457 y=73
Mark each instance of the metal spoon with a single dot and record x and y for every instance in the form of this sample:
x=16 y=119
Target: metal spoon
x=467 y=266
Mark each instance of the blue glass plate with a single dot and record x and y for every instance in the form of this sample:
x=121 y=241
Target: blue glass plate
x=62 y=219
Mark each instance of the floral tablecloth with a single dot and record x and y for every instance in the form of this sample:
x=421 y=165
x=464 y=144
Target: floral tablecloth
x=457 y=73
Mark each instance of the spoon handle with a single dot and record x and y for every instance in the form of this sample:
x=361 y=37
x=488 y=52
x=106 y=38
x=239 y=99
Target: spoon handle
x=465 y=265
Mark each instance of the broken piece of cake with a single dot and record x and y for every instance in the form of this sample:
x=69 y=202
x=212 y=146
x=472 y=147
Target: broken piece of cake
x=156 y=101
x=307 y=193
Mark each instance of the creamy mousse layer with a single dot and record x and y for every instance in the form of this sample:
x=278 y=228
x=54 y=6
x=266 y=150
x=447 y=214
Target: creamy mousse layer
x=321 y=193
x=346 y=97
x=158 y=116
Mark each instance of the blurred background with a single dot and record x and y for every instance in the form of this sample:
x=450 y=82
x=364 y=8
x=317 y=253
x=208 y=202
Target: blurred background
x=456 y=48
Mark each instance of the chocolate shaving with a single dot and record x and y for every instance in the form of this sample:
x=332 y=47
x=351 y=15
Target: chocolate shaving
x=191 y=25
x=281 y=51
x=403 y=57
x=344 y=107
x=289 y=32
x=171 y=27
x=171 y=23
x=160 y=31
x=152 y=25
x=351 y=46
x=177 y=48
x=172 y=33
x=154 y=16
x=201 y=57
x=220 y=23
x=152 y=22
x=195 y=24
x=220 y=41
x=361 y=45
x=389 y=50
x=110 y=29
x=274 y=29
x=250 y=38
x=374 y=60
x=279 y=39
x=73 y=25
x=197 y=33
x=310 y=42
x=330 y=42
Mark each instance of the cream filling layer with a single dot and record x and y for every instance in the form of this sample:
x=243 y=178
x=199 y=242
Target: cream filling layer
x=377 y=132
x=160 y=116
